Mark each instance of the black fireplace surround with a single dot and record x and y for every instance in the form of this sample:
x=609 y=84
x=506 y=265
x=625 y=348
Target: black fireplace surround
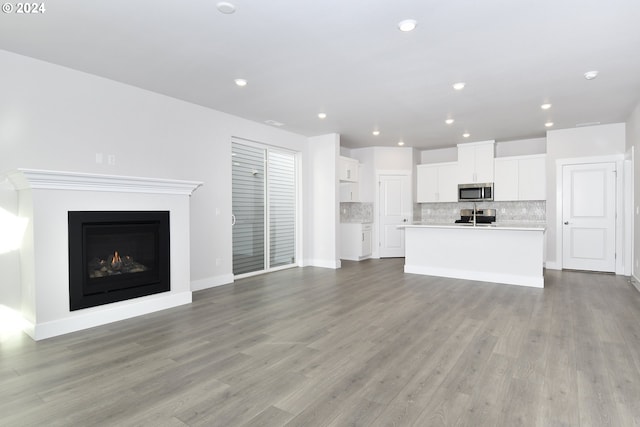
x=117 y=255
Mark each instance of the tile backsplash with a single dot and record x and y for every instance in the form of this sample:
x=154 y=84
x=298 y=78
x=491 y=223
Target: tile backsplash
x=447 y=213
x=356 y=212
x=522 y=211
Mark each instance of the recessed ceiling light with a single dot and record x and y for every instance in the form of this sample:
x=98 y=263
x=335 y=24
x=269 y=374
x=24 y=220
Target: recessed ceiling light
x=240 y=82
x=590 y=75
x=322 y=115
x=407 y=25
x=449 y=121
x=225 y=7
x=459 y=85
x=548 y=124
x=376 y=132
x=401 y=143
x=466 y=135
x=545 y=106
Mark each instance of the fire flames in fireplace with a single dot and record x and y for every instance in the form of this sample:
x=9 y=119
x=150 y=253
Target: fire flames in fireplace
x=114 y=264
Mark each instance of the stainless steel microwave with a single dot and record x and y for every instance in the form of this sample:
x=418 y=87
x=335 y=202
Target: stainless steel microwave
x=475 y=192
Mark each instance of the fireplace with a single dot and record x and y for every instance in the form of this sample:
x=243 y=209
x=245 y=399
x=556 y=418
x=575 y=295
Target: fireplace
x=116 y=256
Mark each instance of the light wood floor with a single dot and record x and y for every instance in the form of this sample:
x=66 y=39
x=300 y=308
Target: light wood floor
x=363 y=345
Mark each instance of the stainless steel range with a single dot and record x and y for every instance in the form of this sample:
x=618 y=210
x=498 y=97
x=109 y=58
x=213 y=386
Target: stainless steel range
x=482 y=216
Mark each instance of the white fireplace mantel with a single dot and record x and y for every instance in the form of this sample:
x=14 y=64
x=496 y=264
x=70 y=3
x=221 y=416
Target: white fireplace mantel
x=45 y=198
x=56 y=180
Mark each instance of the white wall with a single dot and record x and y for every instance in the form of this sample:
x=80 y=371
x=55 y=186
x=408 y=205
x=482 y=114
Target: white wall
x=589 y=141
x=392 y=158
x=9 y=261
x=323 y=214
x=439 y=155
x=56 y=118
x=633 y=140
x=521 y=147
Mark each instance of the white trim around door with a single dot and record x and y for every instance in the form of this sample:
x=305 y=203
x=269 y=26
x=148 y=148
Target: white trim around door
x=620 y=213
x=390 y=240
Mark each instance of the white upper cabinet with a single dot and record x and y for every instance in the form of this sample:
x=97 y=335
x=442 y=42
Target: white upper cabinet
x=437 y=182
x=349 y=192
x=348 y=169
x=520 y=178
x=532 y=178
x=505 y=186
x=475 y=162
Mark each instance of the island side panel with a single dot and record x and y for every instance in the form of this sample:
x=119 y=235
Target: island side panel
x=485 y=254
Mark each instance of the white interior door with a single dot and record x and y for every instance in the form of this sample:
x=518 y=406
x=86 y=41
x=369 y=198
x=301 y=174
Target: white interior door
x=395 y=209
x=589 y=217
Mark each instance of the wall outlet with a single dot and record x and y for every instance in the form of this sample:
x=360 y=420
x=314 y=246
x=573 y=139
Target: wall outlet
x=99 y=158
x=111 y=159
x=218 y=261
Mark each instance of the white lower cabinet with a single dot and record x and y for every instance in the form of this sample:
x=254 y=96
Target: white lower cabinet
x=355 y=241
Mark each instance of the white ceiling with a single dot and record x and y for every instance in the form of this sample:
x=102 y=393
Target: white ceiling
x=348 y=59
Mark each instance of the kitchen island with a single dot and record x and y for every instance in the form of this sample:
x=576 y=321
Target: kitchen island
x=511 y=254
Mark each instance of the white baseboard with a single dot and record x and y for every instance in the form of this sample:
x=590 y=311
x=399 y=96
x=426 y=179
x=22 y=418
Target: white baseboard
x=508 y=279
x=106 y=314
x=635 y=282
x=211 y=282
x=552 y=265
x=334 y=264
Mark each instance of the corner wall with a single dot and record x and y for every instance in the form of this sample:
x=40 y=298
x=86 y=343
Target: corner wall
x=633 y=140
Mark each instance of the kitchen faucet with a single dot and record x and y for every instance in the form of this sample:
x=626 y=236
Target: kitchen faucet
x=474 y=214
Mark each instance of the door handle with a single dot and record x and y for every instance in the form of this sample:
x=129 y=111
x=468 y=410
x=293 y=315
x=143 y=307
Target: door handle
x=233 y=219
x=404 y=220
x=566 y=223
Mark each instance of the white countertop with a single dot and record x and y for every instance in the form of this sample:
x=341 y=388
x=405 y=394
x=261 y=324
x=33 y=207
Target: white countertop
x=494 y=226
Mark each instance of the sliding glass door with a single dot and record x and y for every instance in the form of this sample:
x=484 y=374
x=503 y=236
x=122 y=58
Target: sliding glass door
x=264 y=208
